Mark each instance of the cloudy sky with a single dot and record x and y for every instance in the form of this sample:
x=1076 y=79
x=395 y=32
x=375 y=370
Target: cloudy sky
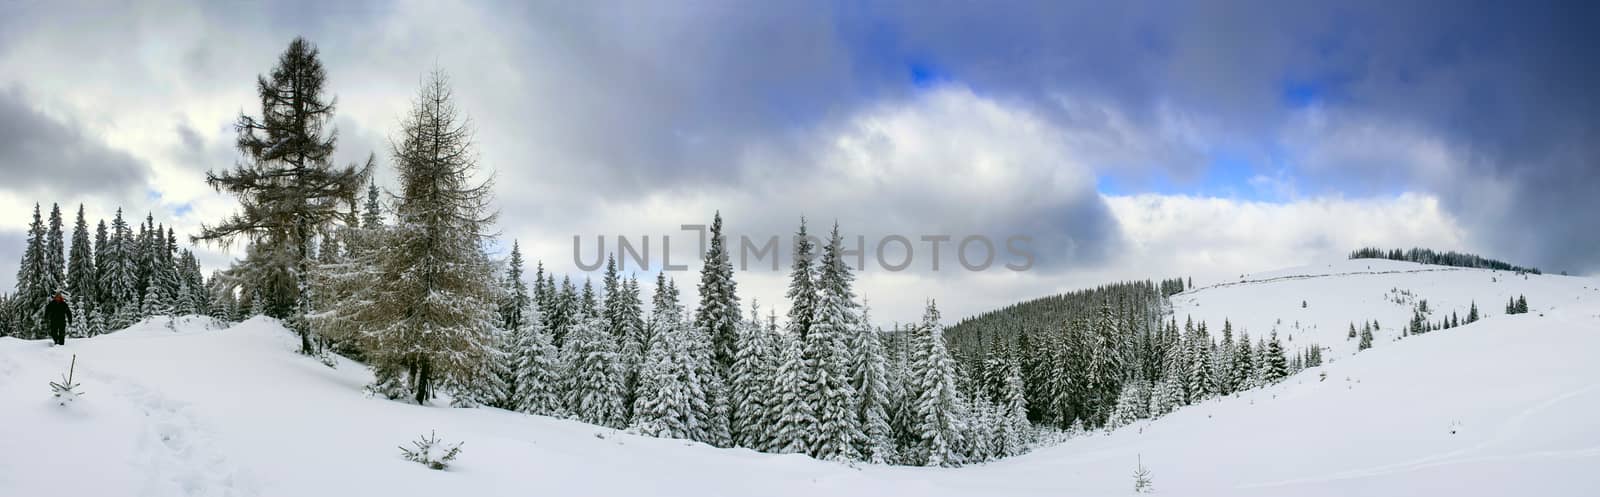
x=1125 y=139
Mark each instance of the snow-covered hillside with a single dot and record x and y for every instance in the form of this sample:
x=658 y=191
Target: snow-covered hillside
x=1317 y=304
x=1504 y=406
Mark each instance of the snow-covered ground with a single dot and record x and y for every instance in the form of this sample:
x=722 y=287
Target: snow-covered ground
x=1505 y=406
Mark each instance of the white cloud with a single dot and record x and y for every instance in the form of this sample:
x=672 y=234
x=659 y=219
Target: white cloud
x=1214 y=238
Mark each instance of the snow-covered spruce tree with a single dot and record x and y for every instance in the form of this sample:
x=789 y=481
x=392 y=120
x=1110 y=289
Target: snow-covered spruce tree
x=750 y=384
x=1275 y=362
x=795 y=416
x=614 y=302
x=1106 y=362
x=977 y=421
x=33 y=282
x=564 y=309
x=870 y=379
x=514 y=304
x=96 y=290
x=1240 y=372
x=1366 y=338
x=96 y=323
x=169 y=263
x=661 y=408
x=223 y=303
x=7 y=316
x=802 y=292
x=1202 y=378
x=640 y=349
x=55 y=252
x=1175 y=371
x=139 y=254
x=160 y=295
x=718 y=314
x=672 y=398
x=191 y=276
x=830 y=394
x=634 y=342
x=429 y=318
x=80 y=269
x=937 y=404
x=593 y=388
x=118 y=276
x=717 y=320
x=898 y=344
x=1222 y=361
x=710 y=424
x=1132 y=405
x=184 y=304
x=288 y=188
x=1016 y=433
x=538 y=368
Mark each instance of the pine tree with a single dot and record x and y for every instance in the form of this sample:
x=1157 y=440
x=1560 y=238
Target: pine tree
x=869 y=377
x=371 y=212
x=830 y=394
x=663 y=407
x=81 y=274
x=977 y=425
x=635 y=343
x=102 y=258
x=538 y=367
x=795 y=416
x=1202 y=379
x=594 y=377
x=1277 y=365
x=750 y=382
x=718 y=314
x=509 y=354
x=1131 y=406
x=936 y=405
x=1016 y=432
x=1106 y=362
x=160 y=294
x=1244 y=364
x=709 y=392
x=1472 y=315
x=429 y=318
x=287 y=186
x=1222 y=361
x=54 y=252
x=33 y=282
x=672 y=401
x=802 y=293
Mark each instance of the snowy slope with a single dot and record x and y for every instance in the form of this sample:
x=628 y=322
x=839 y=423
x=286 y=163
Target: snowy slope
x=1339 y=293
x=188 y=410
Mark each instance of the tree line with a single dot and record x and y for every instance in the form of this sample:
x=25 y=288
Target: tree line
x=110 y=281
x=1428 y=256
x=1104 y=357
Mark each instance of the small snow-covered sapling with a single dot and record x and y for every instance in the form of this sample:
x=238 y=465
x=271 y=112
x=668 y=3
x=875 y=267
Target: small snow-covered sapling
x=66 y=391
x=425 y=448
x=1141 y=478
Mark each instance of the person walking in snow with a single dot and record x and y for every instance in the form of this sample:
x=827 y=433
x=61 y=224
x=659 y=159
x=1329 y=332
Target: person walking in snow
x=57 y=313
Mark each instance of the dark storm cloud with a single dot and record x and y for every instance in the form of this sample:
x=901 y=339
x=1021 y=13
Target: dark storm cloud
x=45 y=158
x=1511 y=86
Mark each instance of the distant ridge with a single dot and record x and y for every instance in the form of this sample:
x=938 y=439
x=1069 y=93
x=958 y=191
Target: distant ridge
x=1428 y=256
